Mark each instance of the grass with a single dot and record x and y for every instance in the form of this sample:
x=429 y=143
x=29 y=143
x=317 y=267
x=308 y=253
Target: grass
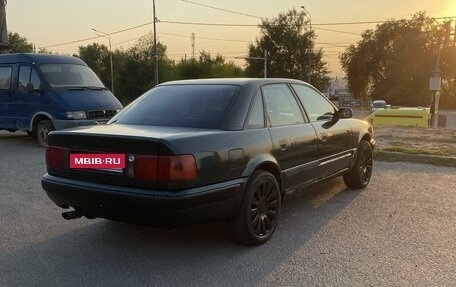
x=409 y=140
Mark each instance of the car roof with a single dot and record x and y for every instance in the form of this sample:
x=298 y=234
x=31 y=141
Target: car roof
x=232 y=81
x=39 y=59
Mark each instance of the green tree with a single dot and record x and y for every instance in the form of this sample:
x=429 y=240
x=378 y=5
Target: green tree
x=448 y=69
x=97 y=58
x=289 y=41
x=207 y=67
x=19 y=44
x=137 y=67
x=394 y=61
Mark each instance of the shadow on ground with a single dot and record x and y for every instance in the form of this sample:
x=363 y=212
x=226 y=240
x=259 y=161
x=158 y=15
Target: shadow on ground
x=115 y=254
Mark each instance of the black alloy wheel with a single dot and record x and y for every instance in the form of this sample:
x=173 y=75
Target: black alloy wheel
x=360 y=174
x=260 y=210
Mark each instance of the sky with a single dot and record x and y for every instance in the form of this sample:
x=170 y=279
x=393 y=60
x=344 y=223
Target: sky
x=50 y=23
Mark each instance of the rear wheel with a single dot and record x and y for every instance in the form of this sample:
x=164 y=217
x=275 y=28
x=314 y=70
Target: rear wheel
x=360 y=174
x=260 y=209
x=43 y=128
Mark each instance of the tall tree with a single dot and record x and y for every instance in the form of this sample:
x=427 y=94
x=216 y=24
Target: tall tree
x=19 y=44
x=97 y=57
x=289 y=41
x=394 y=61
x=137 y=69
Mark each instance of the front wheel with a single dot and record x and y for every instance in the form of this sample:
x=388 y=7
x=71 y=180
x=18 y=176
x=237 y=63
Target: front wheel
x=43 y=128
x=360 y=173
x=260 y=209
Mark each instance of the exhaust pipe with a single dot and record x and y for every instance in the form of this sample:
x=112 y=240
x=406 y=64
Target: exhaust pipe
x=71 y=215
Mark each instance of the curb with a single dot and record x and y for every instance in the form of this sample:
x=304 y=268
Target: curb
x=418 y=158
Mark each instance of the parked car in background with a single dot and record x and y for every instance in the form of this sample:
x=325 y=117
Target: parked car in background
x=218 y=149
x=379 y=104
x=40 y=93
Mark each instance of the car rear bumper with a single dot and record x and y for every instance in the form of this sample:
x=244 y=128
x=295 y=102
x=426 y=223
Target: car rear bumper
x=170 y=208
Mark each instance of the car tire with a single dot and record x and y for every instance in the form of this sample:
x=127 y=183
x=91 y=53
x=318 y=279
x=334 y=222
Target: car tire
x=360 y=173
x=260 y=209
x=43 y=128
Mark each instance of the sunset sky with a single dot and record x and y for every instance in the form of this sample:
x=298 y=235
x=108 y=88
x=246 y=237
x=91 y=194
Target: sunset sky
x=52 y=22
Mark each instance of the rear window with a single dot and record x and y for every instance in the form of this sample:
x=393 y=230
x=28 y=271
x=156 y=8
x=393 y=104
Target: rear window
x=195 y=106
x=379 y=104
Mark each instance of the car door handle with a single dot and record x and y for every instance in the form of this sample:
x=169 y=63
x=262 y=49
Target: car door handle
x=283 y=144
x=324 y=137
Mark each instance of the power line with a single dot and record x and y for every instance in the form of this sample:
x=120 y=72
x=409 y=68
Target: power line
x=221 y=9
x=225 y=25
x=374 y=22
x=314 y=24
x=71 y=42
x=91 y=38
x=330 y=44
x=208 y=24
x=205 y=38
x=338 y=31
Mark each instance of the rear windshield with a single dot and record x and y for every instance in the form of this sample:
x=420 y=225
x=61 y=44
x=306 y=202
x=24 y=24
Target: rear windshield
x=379 y=104
x=70 y=76
x=195 y=106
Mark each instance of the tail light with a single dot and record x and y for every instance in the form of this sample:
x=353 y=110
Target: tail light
x=146 y=167
x=165 y=168
x=55 y=157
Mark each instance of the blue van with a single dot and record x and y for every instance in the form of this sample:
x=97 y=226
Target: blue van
x=40 y=93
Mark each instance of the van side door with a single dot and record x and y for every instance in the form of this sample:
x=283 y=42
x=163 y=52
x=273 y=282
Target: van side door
x=29 y=96
x=7 y=98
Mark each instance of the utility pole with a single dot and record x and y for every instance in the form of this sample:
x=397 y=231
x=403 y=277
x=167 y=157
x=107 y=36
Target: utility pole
x=193 y=45
x=435 y=81
x=155 y=45
x=309 y=72
x=4 y=43
x=265 y=59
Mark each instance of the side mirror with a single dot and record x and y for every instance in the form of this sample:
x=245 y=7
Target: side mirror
x=344 y=113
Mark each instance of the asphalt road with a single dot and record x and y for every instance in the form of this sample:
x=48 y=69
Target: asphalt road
x=400 y=231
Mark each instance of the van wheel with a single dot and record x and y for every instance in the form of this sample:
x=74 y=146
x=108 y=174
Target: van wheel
x=360 y=174
x=43 y=128
x=260 y=209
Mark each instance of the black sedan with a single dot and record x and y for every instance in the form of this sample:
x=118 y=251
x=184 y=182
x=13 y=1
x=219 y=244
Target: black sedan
x=217 y=149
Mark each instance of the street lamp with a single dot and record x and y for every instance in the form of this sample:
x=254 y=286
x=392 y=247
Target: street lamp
x=106 y=35
x=310 y=44
x=265 y=59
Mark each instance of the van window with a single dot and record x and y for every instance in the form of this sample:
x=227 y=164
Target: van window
x=27 y=75
x=70 y=76
x=5 y=78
